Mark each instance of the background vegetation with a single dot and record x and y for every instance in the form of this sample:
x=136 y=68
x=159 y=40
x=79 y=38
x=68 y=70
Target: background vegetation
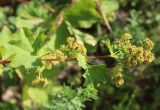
x=89 y=21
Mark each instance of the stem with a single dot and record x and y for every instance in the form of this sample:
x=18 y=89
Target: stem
x=67 y=59
x=4 y=62
x=45 y=5
x=103 y=15
x=45 y=54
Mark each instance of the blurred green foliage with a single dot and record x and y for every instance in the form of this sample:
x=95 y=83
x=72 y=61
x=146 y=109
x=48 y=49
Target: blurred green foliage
x=31 y=29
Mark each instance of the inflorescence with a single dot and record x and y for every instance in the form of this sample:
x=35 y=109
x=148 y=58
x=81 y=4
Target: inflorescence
x=132 y=54
x=128 y=54
x=123 y=50
x=71 y=49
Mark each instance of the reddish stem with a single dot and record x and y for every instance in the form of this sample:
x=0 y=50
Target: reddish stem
x=4 y=62
x=67 y=59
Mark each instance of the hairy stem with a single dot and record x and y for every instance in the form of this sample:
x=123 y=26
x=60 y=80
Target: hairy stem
x=67 y=59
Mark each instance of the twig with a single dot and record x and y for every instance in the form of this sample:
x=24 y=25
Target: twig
x=4 y=62
x=59 y=20
x=103 y=15
x=45 y=54
x=45 y=5
x=67 y=59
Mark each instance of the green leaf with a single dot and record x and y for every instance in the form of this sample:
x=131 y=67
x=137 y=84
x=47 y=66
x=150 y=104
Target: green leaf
x=40 y=40
x=81 y=36
x=109 y=6
x=82 y=61
x=3 y=17
x=5 y=35
x=23 y=43
x=18 y=56
x=18 y=38
x=39 y=96
x=108 y=44
x=50 y=45
x=33 y=9
x=61 y=34
x=2 y=51
x=28 y=23
x=66 y=30
x=37 y=39
x=82 y=17
x=90 y=92
x=96 y=74
x=73 y=99
x=18 y=46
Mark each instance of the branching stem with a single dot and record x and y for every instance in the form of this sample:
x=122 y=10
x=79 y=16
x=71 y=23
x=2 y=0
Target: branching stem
x=55 y=59
x=69 y=59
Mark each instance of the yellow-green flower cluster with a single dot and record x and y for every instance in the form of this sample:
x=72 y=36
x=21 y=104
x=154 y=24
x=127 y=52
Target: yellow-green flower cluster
x=119 y=80
x=124 y=40
x=40 y=82
x=71 y=49
x=48 y=65
x=128 y=54
x=117 y=75
x=75 y=47
x=59 y=55
x=148 y=44
x=134 y=55
x=148 y=56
